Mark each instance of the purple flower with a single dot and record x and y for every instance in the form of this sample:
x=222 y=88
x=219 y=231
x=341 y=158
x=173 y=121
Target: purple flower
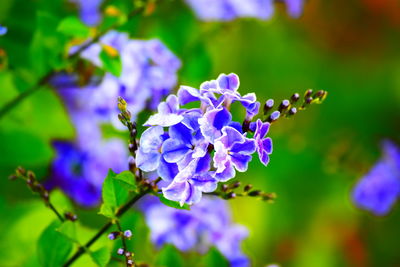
x=89 y=11
x=128 y=233
x=379 y=189
x=168 y=113
x=148 y=157
x=149 y=72
x=294 y=7
x=80 y=172
x=191 y=181
x=232 y=151
x=264 y=145
x=226 y=10
x=207 y=224
x=3 y=30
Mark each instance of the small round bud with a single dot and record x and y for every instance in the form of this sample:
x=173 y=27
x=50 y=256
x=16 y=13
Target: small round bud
x=120 y=251
x=31 y=175
x=132 y=147
x=320 y=94
x=128 y=254
x=308 y=93
x=224 y=188
x=133 y=132
x=293 y=111
x=113 y=235
x=235 y=185
x=268 y=105
x=130 y=262
x=295 y=97
x=20 y=171
x=248 y=187
x=70 y=216
x=309 y=100
x=231 y=195
x=128 y=233
x=255 y=193
x=274 y=116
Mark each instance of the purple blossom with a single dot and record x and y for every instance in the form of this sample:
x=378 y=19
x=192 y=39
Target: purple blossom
x=379 y=189
x=202 y=146
x=148 y=156
x=207 y=224
x=89 y=11
x=3 y=30
x=264 y=145
x=80 y=172
x=226 y=10
x=128 y=233
x=232 y=151
x=148 y=74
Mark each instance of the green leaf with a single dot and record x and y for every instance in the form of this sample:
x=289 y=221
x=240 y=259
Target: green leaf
x=214 y=258
x=114 y=194
x=169 y=256
x=53 y=247
x=173 y=204
x=111 y=63
x=128 y=178
x=72 y=26
x=68 y=229
x=101 y=256
x=107 y=211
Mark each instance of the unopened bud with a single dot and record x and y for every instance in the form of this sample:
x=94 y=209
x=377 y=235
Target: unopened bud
x=293 y=111
x=308 y=93
x=268 y=105
x=128 y=254
x=255 y=193
x=235 y=185
x=231 y=195
x=128 y=233
x=274 y=116
x=70 y=216
x=113 y=235
x=224 y=188
x=120 y=251
x=122 y=104
x=284 y=105
x=295 y=97
x=309 y=100
x=248 y=187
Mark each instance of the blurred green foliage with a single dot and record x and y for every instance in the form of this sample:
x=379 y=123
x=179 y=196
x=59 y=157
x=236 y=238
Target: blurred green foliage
x=349 y=48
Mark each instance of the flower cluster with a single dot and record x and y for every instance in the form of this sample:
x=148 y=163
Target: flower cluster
x=207 y=224
x=204 y=145
x=148 y=73
x=227 y=10
x=379 y=189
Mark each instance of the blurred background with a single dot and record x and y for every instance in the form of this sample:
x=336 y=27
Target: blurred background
x=348 y=47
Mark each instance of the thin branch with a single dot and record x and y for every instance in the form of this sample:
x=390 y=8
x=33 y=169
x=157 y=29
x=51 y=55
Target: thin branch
x=104 y=229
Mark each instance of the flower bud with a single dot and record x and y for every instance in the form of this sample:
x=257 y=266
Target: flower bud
x=113 y=235
x=128 y=254
x=231 y=195
x=293 y=111
x=308 y=93
x=255 y=193
x=268 y=105
x=128 y=233
x=70 y=216
x=224 y=188
x=120 y=251
x=234 y=185
x=295 y=97
x=274 y=116
x=248 y=187
x=284 y=105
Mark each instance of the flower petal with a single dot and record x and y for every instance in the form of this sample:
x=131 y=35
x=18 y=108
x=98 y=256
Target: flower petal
x=173 y=150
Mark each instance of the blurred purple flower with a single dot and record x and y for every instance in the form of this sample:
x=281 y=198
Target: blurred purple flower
x=80 y=172
x=89 y=11
x=226 y=10
x=207 y=224
x=3 y=30
x=379 y=189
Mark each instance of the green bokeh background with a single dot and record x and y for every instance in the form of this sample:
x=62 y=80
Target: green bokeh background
x=349 y=48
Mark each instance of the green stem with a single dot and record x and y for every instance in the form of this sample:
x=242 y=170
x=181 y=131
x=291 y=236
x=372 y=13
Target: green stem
x=104 y=229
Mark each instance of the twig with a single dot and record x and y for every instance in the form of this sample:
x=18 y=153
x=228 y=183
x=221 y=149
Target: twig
x=104 y=229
